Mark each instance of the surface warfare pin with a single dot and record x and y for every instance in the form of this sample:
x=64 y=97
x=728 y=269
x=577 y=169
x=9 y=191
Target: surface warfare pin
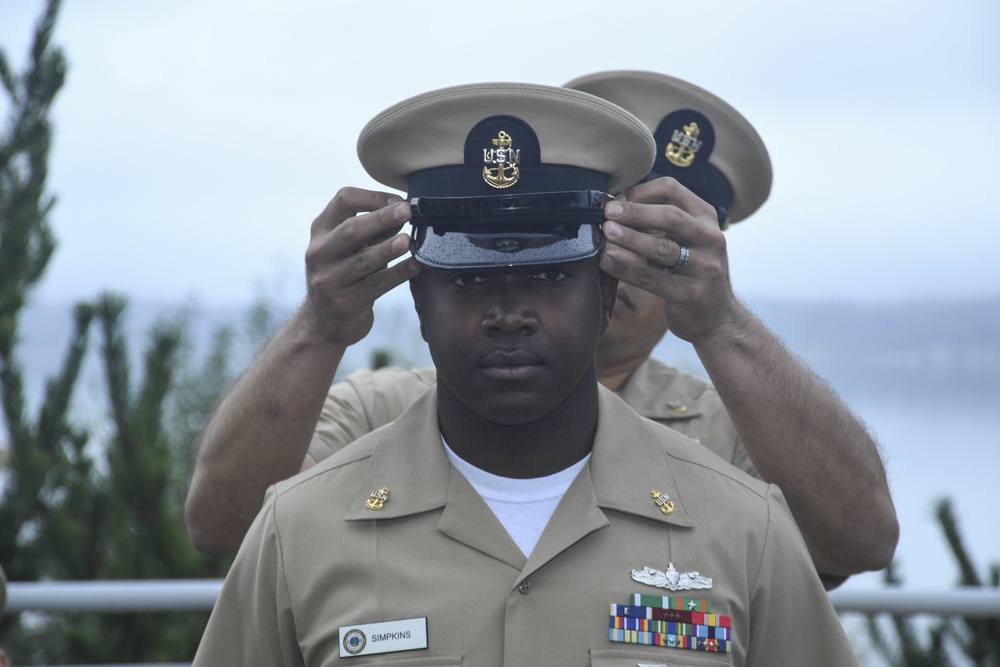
x=671 y=579
x=377 y=499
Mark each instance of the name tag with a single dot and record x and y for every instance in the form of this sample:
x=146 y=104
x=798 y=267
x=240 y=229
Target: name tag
x=373 y=638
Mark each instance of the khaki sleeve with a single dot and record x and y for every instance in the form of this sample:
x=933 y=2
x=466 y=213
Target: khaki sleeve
x=363 y=402
x=793 y=620
x=251 y=624
x=343 y=419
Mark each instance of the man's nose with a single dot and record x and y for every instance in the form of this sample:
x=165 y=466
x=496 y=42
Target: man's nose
x=508 y=311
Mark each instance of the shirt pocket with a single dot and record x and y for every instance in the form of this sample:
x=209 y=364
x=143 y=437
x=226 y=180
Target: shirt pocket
x=427 y=661
x=658 y=657
x=387 y=659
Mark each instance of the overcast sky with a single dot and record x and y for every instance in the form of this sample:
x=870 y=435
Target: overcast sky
x=196 y=141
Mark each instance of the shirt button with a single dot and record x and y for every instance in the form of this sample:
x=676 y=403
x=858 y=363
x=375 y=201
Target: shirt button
x=524 y=587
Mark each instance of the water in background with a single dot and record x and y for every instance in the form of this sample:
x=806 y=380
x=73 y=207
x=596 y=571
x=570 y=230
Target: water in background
x=936 y=449
x=924 y=376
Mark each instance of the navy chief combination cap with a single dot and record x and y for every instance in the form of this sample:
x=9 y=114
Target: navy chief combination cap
x=506 y=174
x=701 y=140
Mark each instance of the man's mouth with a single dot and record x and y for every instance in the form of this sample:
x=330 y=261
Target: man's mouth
x=511 y=364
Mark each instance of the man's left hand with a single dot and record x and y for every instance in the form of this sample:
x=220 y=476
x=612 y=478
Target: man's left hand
x=666 y=240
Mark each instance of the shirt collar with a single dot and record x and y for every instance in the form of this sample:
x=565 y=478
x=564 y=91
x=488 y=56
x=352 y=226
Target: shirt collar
x=627 y=466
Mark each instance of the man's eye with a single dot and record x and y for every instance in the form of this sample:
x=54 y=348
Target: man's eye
x=466 y=279
x=551 y=275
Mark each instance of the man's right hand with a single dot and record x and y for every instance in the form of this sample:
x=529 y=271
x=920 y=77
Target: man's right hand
x=353 y=241
x=261 y=430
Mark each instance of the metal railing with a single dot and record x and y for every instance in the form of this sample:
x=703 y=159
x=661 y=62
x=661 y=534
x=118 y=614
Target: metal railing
x=166 y=595
x=160 y=595
x=179 y=595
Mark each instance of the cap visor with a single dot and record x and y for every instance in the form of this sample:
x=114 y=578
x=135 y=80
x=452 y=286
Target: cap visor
x=501 y=248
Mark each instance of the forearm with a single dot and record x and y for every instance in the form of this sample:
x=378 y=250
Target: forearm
x=801 y=437
x=258 y=435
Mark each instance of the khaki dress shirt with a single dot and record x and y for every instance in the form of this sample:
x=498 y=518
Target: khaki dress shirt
x=317 y=558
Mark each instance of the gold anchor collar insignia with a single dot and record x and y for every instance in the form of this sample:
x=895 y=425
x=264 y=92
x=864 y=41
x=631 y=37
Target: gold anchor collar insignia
x=377 y=499
x=500 y=168
x=664 y=502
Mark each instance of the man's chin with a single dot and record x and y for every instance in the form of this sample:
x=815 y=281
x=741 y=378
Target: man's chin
x=612 y=340
x=622 y=310
x=623 y=300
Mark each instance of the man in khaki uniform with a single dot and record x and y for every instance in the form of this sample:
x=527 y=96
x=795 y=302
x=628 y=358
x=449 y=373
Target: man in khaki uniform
x=518 y=513
x=779 y=422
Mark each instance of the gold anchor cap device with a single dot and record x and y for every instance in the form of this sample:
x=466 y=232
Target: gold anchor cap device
x=506 y=174
x=701 y=140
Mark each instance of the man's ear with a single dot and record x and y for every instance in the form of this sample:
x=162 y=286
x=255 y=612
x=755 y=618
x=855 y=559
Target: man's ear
x=609 y=294
x=417 y=303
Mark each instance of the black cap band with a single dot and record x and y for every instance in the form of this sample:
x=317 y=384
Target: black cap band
x=502 y=156
x=463 y=181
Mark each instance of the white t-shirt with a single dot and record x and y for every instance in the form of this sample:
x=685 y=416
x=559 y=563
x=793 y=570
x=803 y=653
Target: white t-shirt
x=523 y=506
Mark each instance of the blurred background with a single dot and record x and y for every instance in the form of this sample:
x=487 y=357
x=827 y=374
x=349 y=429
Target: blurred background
x=194 y=143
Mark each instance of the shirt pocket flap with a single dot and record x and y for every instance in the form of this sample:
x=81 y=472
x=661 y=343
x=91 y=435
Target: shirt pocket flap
x=658 y=657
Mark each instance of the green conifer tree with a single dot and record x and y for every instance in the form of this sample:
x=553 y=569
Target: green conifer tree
x=77 y=507
x=26 y=245
x=909 y=647
x=977 y=638
x=949 y=641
